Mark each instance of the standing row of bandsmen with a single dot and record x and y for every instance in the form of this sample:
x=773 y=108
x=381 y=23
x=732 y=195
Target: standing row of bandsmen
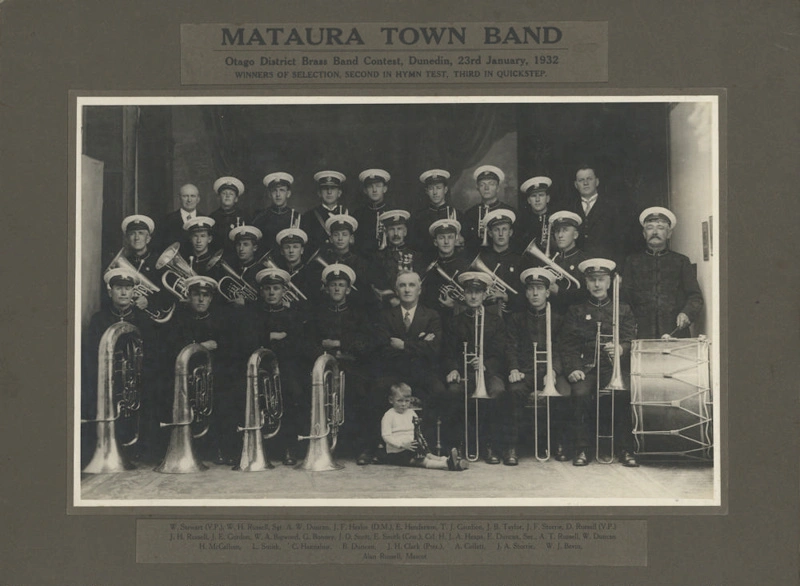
x=399 y=319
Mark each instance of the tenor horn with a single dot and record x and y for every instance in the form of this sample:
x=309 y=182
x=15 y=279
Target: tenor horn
x=191 y=407
x=327 y=414
x=263 y=409
x=549 y=385
x=144 y=288
x=118 y=396
x=498 y=284
x=476 y=359
x=557 y=271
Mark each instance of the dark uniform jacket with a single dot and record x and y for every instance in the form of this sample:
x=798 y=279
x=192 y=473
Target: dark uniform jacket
x=605 y=232
x=366 y=236
x=388 y=262
x=522 y=330
x=507 y=264
x=568 y=292
x=576 y=340
x=418 y=354
x=532 y=227
x=262 y=320
x=313 y=224
x=659 y=286
x=343 y=323
x=433 y=281
x=146 y=266
x=462 y=329
x=271 y=221
x=305 y=277
x=469 y=228
x=171 y=230
x=420 y=221
x=219 y=324
x=224 y=222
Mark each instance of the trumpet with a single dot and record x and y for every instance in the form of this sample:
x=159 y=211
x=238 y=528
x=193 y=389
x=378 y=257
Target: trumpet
x=263 y=409
x=327 y=414
x=293 y=294
x=232 y=285
x=617 y=382
x=317 y=258
x=192 y=405
x=475 y=358
x=145 y=287
x=498 y=284
x=451 y=288
x=118 y=396
x=549 y=385
x=557 y=271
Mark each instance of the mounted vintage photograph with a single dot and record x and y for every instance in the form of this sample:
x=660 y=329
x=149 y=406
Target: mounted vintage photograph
x=397 y=301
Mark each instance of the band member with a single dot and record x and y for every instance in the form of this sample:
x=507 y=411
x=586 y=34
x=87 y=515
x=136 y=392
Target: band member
x=465 y=328
x=201 y=235
x=372 y=238
x=343 y=331
x=659 y=283
x=523 y=329
x=203 y=321
x=171 y=229
x=438 y=208
x=405 y=446
x=396 y=257
x=502 y=261
x=329 y=188
x=278 y=216
x=247 y=245
x=272 y=325
x=534 y=217
x=228 y=215
x=565 y=228
x=120 y=283
x=408 y=347
x=439 y=292
x=605 y=227
x=291 y=244
x=577 y=346
x=489 y=180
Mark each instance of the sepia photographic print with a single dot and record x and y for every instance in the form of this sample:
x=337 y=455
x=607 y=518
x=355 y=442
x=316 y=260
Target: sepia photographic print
x=397 y=301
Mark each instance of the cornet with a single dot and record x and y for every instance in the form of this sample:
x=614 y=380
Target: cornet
x=263 y=409
x=476 y=360
x=145 y=288
x=327 y=414
x=557 y=271
x=498 y=284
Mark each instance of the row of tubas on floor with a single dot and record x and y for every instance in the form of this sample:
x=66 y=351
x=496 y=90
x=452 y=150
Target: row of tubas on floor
x=119 y=401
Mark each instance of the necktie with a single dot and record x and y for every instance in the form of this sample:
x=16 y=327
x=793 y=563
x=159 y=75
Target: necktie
x=407 y=320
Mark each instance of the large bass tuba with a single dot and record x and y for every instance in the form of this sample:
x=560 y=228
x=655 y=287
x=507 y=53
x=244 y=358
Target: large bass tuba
x=118 y=396
x=327 y=414
x=191 y=408
x=144 y=288
x=263 y=410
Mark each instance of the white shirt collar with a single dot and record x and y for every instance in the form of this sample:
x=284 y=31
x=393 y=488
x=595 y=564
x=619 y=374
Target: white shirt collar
x=187 y=215
x=411 y=312
x=588 y=202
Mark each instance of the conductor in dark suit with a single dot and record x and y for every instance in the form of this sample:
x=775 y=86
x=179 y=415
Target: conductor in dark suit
x=171 y=228
x=409 y=345
x=605 y=229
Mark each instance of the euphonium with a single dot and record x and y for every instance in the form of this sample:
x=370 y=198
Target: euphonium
x=192 y=405
x=178 y=270
x=232 y=285
x=118 y=396
x=327 y=414
x=549 y=384
x=145 y=287
x=498 y=284
x=263 y=409
x=557 y=271
x=475 y=361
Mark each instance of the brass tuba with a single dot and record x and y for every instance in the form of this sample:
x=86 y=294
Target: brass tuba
x=263 y=410
x=498 y=284
x=191 y=406
x=118 y=396
x=476 y=359
x=145 y=287
x=327 y=414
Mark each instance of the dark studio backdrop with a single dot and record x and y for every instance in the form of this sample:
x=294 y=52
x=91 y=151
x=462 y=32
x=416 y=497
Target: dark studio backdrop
x=149 y=152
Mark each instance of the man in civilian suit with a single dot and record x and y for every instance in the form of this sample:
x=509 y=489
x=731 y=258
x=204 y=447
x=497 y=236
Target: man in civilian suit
x=171 y=228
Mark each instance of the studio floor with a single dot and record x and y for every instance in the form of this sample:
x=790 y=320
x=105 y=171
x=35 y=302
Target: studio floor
x=530 y=479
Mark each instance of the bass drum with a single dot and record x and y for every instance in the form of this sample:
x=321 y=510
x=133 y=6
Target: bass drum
x=671 y=399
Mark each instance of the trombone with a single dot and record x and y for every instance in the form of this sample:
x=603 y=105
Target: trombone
x=549 y=385
x=327 y=414
x=476 y=359
x=617 y=382
x=263 y=409
x=557 y=271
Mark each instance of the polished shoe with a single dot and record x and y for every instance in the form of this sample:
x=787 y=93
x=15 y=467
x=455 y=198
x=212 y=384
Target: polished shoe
x=455 y=463
x=491 y=457
x=626 y=458
x=288 y=459
x=364 y=458
x=219 y=458
x=510 y=457
x=561 y=454
x=581 y=459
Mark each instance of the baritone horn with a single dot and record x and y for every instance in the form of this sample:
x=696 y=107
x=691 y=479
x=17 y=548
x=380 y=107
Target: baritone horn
x=192 y=405
x=549 y=389
x=178 y=270
x=327 y=414
x=263 y=409
x=233 y=286
x=474 y=359
x=451 y=287
x=557 y=271
x=144 y=288
x=118 y=396
x=498 y=284
x=617 y=382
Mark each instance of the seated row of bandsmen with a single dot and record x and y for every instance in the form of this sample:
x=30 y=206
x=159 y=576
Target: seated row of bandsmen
x=410 y=341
